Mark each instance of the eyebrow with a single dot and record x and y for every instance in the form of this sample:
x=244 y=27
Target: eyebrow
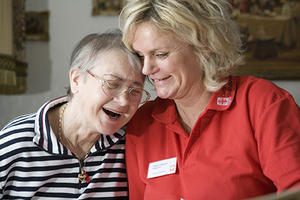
x=152 y=50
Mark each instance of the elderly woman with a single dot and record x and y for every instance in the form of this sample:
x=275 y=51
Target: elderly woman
x=73 y=147
x=208 y=135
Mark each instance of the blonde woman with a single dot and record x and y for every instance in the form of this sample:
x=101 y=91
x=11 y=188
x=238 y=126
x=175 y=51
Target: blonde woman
x=208 y=134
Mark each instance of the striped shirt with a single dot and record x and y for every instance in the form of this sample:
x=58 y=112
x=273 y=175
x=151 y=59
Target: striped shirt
x=34 y=164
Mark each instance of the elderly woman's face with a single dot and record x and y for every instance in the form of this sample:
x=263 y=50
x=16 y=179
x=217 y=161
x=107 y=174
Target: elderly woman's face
x=168 y=61
x=102 y=111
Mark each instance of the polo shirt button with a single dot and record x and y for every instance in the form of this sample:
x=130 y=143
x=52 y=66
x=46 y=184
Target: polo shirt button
x=181 y=198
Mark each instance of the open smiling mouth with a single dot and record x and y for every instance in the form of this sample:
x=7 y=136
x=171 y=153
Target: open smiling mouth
x=162 y=79
x=111 y=114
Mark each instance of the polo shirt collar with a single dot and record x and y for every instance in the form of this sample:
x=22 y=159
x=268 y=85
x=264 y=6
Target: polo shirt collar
x=223 y=98
x=45 y=138
x=165 y=109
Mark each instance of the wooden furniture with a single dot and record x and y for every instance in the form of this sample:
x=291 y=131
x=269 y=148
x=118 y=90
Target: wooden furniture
x=264 y=48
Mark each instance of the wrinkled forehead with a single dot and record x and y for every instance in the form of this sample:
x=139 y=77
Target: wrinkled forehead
x=120 y=64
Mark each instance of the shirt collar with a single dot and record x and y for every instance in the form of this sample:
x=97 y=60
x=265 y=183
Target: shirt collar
x=165 y=109
x=223 y=98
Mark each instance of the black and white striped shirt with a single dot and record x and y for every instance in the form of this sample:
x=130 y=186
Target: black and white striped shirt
x=34 y=164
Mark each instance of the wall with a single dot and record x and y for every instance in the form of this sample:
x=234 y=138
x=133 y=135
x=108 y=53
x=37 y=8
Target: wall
x=48 y=61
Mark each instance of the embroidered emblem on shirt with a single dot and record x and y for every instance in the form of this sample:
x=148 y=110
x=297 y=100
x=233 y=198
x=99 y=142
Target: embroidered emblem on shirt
x=223 y=101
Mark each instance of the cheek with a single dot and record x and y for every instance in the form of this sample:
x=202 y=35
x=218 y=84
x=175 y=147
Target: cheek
x=100 y=102
x=95 y=103
x=167 y=65
x=132 y=110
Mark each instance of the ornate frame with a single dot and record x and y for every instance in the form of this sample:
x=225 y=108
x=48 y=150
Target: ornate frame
x=271 y=72
x=107 y=7
x=271 y=69
x=37 y=25
x=13 y=68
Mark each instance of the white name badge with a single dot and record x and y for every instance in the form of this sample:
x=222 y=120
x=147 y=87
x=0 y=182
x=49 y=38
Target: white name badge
x=162 y=167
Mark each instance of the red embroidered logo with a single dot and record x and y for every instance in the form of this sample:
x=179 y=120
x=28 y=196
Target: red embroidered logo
x=172 y=168
x=223 y=101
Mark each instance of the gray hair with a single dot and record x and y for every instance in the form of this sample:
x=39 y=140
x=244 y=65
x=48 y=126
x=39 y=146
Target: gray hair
x=206 y=25
x=87 y=51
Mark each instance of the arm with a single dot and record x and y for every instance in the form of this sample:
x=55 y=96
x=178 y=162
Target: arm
x=277 y=132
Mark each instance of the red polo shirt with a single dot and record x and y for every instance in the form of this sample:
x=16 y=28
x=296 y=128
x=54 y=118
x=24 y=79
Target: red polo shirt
x=245 y=144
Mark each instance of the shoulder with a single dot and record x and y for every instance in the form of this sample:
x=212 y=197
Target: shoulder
x=20 y=125
x=264 y=90
x=145 y=116
x=145 y=110
x=16 y=137
x=263 y=96
x=19 y=122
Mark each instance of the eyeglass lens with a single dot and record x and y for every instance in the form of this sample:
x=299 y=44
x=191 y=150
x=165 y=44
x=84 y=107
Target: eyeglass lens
x=136 y=95
x=116 y=87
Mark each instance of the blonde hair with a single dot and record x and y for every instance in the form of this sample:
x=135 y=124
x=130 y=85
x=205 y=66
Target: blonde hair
x=206 y=25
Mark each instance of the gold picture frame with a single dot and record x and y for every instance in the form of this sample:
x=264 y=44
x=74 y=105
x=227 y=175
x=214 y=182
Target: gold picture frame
x=272 y=45
x=107 y=7
x=37 y=25
x=285 y=67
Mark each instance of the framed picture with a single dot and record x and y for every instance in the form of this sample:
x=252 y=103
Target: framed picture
x=285 y=66
x=37 y=25
x=107 y=7
x=273 y=46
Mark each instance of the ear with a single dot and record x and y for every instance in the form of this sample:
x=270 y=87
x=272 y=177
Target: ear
x=74 y=75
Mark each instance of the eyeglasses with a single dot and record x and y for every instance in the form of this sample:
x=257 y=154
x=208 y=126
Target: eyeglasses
x=114 y=88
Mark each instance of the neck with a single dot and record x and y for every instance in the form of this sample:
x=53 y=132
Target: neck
x=72 y=135
x=190 y=107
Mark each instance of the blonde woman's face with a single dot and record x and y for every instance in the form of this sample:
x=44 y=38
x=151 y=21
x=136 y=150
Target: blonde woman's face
x=168 y=61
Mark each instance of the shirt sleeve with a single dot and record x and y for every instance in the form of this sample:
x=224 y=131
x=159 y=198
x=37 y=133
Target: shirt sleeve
x=278 y=138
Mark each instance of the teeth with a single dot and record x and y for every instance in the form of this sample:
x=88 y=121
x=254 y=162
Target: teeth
x=111 y=114
x=157 y=80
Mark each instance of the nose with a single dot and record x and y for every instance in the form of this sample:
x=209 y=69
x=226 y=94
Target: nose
x=123 y=98
x=149 y=66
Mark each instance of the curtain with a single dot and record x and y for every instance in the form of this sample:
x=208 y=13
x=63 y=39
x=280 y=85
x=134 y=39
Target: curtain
x=13 y=68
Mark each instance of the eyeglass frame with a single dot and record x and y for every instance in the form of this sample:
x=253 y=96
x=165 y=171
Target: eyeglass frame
x=129 y=89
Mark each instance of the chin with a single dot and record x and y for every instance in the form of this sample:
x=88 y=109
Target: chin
x=107 y=130
x=163 y=97
x=164 y=94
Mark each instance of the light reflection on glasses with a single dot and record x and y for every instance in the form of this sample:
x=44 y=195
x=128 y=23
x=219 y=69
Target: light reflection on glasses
x=114 y=88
